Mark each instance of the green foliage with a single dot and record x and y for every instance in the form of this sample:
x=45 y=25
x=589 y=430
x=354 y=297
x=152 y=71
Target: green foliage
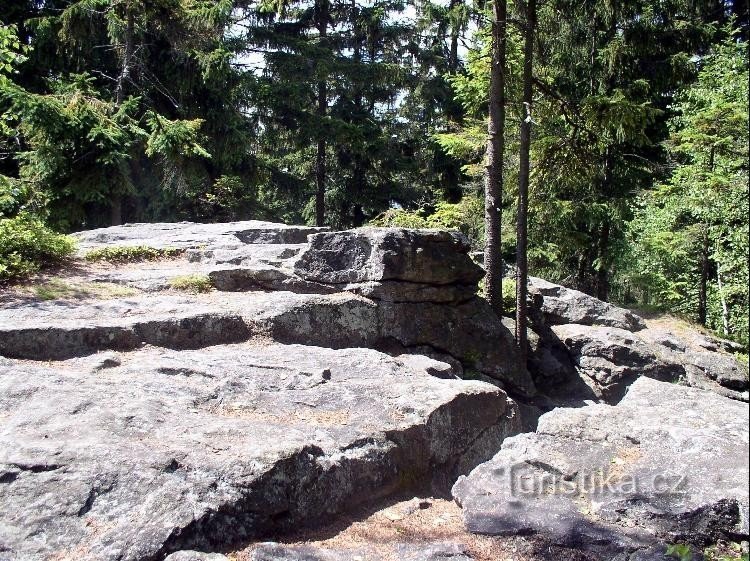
x=400 y=218
x=680 y=551
x=27 y=245
x=192 y=283
x=697 y=221
x=509 y=296
x=131 y=254
x=465 y=216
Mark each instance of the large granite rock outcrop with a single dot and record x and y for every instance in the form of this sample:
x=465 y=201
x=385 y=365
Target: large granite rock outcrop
x=667 y=464
x=385 y=308
x=130 y=456
x=585 y=349
x=315 y=376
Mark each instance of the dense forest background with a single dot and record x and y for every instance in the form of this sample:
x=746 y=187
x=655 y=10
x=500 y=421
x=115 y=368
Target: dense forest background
x=344 y=112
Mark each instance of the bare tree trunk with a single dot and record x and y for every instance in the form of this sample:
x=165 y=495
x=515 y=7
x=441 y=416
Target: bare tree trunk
x=602 y=273
x=522 y=269
x=453 y=62
x=493 y=191
x=724 y=308
x=322 y=109
x=122 y=79
x=703 y=286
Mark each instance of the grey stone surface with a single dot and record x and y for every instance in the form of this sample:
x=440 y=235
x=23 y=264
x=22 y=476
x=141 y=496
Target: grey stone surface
x=432 y=257
x=445 y=551
x=437 y=551
x=469 y=332
x=179 y=421
x=191 y=235
x=403 y=291
x=200 y=449
x=705 y=359
x=195 y=556
x=667 y=463
x=561 y=305
x=613 y=358
x=279 y=552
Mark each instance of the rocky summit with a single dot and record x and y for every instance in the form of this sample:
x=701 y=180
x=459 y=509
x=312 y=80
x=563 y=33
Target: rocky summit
x=209 y=391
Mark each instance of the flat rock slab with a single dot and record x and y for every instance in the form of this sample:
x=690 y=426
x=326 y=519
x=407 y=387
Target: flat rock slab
x=667 y=463
x=402 y=552
x=469 y=332
x=192 y=235
x=131 y=456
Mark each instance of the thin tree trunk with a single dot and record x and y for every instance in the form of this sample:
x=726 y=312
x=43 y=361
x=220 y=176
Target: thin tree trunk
x=724 y=308
x=322 y=109
x=601 y=253
x=359 y=177
x=602 y=274
x=522 y=270
x=493 y=192
x=703 y=287
x=122 y=79
x=453 y=62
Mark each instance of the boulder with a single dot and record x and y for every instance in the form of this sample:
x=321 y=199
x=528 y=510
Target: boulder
x=705 y=360
x=196 y=450
x=470 y=332
x=612 y=358
x=667 y=464
x=428 y=257
x=559 y=305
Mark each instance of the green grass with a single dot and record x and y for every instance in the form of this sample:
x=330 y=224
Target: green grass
x=131 y=254
x=192 y=283
x=60 y=289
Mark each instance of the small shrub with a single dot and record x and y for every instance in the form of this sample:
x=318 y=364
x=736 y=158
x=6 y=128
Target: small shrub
x=509 y=297
x=132 y=254
x=27 y=245
x=400 y=218
x=192 y=283
x=680 y=551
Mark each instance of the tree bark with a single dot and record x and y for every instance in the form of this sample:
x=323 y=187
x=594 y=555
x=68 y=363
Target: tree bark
x=602 y=273
x=703 y=286
x=522 y=270
x=724 y=308
x=122 y=79
x=453 y=62
x=493 y=191
x=322 y=108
